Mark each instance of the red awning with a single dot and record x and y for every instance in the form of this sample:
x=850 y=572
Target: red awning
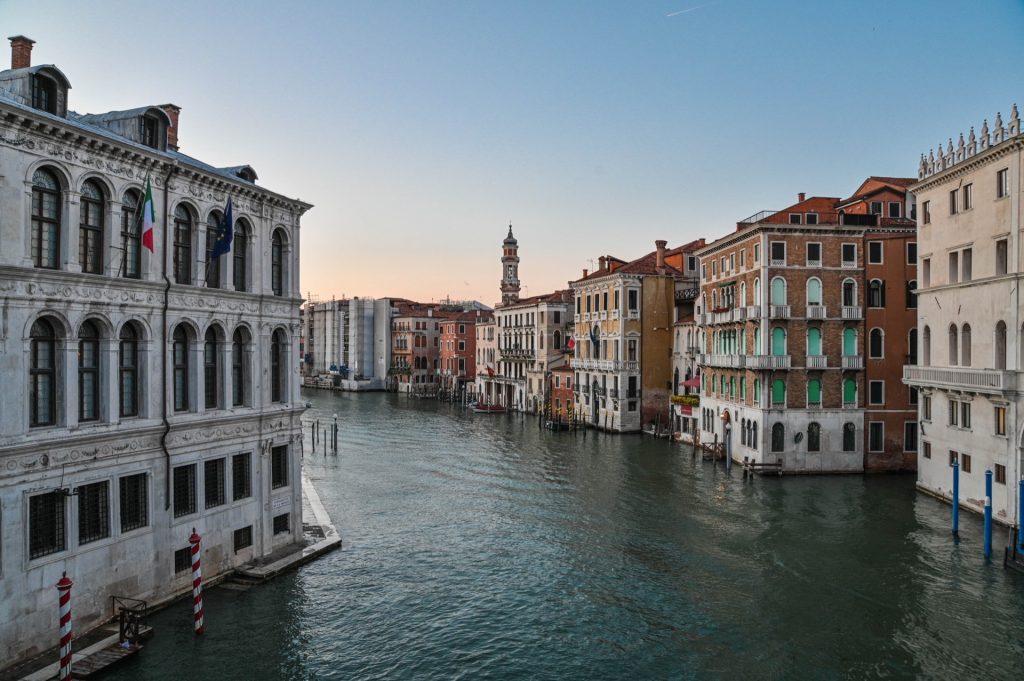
x=691 y=383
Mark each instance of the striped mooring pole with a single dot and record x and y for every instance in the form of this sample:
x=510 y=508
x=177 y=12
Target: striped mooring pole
x=64 y=588
x=197 y=583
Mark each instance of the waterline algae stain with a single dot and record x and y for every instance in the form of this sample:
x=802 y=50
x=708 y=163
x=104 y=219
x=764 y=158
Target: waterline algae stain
x=483 y=547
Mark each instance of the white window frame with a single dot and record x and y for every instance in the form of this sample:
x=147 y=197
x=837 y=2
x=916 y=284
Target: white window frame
x=813 y=263
x=848 y=263
x=870 y=384
x=881 y=424
x=881 y=252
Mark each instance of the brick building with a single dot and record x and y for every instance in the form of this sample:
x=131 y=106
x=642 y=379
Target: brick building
x=562 y=394
x=415 y=351
x=458 y=352
x=807 y=319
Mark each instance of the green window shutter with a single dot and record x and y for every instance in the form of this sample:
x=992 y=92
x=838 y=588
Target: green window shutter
x=849 y=391
x=849 y=342
x=778 y=391
x=814 y=341
x=778 y=341
x=814 y=391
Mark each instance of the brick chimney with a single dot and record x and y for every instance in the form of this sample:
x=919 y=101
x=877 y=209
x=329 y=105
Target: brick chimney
x=584 y=272
x=602 y=261
x=801 y=196
x=21 y=52
x=659 y=245
x=172 y=111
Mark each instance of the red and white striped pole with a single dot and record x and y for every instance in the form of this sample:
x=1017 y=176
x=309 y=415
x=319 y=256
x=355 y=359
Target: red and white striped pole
x=64 y=587
x=197 y=583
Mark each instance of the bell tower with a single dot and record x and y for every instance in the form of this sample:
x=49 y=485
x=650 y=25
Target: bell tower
x=509 y=269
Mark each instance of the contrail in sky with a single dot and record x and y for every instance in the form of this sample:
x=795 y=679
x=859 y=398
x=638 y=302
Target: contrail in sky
x=688 y=9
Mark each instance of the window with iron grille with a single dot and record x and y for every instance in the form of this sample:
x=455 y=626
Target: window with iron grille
x=184 y=490
x=213 y=482
x=876 y=436
x=281 y=523
x=134 y=502
x=46 y=524
x=243 y=538
x=279 y=467
x=183 y=560
x=241 y=484
x=93 y=512
x=1000 y=474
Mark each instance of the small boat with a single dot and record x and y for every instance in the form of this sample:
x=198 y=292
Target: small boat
x=488 y=409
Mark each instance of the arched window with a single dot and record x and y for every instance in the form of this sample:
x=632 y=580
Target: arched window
x=179 y=355
x=277 y=273
x=912 y=346
x=813 y=437
x=212 y=263
x=926 y=346
x=814 y=342
x=965 y=345
x=849 y=292
x=556 y=340
x=757 y=341
x=88 y=372
x=131 y=236
x=757 y=291
x=277 y=366
x=814 y=392
x=46 y=204
x=743 y=432
x=128 y=365
x=849 y=437
x=211 y=370
x=876 y=293
x=753 y=434
x=814 y=291
x=849 y=392
x=778 y=291
x=675 y=381
x=714 y=300
x=778 y=437
x=778 y=392
x=240 y=255
x=182 y=245
x=954 y=352
x=1000 y=358
x=778 y=341
x=849 y=342
x=90 y=228
x=911 y=294
x=743 y=294
x=43 y=374
x=876 y=344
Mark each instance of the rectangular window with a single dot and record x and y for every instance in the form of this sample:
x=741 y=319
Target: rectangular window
x=46 y=524
x=703 y=275
x=714 y=268
x=876 y=208
x=279 y=467
x=757 y=253
x=911 y=252
x=732 y=262
x=1002 y=183
x=926 y=408
x=965 y=462
x=954 y=413
x=926 y=272
x=633 y=300
x=910 y=436
x=183 y=560
x=184 y=490
x=93 y=512
x=875 y=252
x=241 y=478
x=1001 y=251
x=134 y=502
x=968 y=196
x=966 y=265
x=778 y=253
x=814 y=255
x=926 y=449
x=811 y=218
x=849 y=255
x=876 y=392
x=953 y=457
x=913 y=396
x=965 y=414
x=795 y=218
x=213 y=482
x=691 y=264
x=895 y=209
x=282 y=523
x=724 y=263
x=1000 y=475
x=631 y=390
x=954 y=267
x=243 y=538
x=876 y=436
x=1000 y=420
x=743 y=258
x=953 y=202
x=926 y=212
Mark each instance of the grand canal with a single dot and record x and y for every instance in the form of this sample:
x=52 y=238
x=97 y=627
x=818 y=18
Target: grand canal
x=481 y=547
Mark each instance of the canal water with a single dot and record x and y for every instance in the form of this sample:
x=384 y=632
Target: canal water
x=479 y=547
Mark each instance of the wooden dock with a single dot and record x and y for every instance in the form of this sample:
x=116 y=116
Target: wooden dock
x=97 y=658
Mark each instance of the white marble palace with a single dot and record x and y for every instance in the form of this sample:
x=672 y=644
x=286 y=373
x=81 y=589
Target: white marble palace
x=146 y=393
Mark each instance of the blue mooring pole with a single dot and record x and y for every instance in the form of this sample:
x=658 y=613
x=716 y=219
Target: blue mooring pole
x=1020 y=519
x=956 y=498
x=988 y=514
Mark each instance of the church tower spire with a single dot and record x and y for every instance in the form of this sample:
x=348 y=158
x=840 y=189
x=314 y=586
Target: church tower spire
x=509 y=269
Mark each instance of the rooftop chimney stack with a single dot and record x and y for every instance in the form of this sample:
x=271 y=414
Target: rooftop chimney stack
x=660 y=246
x=584 y=272
x=172 y=111
x=602 y=261
x=801 y=196
x=21 y=51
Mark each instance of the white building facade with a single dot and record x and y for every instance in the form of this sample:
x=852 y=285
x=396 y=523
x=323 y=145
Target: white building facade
x=148 y=394
x=971 y=317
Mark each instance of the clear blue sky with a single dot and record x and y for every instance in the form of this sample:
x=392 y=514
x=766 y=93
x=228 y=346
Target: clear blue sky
x=419 y=129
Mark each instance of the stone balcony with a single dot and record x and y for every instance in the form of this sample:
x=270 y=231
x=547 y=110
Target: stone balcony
x=729 y=361
x=816 y=312
x=853 y=362
x=852 y=312
x=988 y=381
x=817 y=362
x=768 y=361
x=779 y=311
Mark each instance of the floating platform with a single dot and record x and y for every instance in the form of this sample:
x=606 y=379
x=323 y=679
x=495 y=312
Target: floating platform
x=1013 y=559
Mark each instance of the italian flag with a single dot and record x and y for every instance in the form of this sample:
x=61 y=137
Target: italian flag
x=148 y=217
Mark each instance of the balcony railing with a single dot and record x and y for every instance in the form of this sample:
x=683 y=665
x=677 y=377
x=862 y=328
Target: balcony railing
x=717 y=360
x=817 y=362
x=779 y=311
x=768 y=361
x=614 y=314
x=753 y=311
x=604 y=315
x=632 y=314
x=961 y=378
x=852 y=312
x=613 y=393
x=739 y=314
x=853 y=362
x=701 y=319
x=816 y=312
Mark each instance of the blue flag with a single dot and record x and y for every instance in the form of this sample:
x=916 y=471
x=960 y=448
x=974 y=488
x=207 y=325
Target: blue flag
x=225 y=233
x=594 y=339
